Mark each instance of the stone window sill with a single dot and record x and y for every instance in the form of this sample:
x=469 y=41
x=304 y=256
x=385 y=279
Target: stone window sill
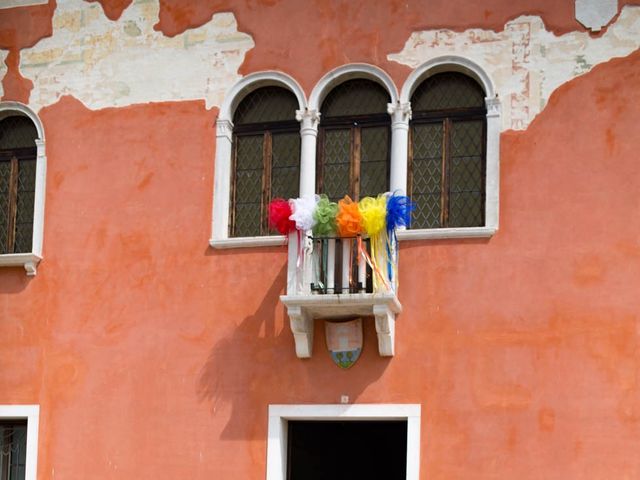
x=27 y=260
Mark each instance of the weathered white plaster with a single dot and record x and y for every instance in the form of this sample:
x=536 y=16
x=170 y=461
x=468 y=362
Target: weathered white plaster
x=3 y=68
x=105 y=63
x=21 y=3
x=526 y=62
x=595 y=14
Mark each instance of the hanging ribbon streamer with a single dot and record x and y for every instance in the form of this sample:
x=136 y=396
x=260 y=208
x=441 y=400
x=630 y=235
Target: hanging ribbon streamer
x=302 y=215
x=399 y=208
x=374 y=212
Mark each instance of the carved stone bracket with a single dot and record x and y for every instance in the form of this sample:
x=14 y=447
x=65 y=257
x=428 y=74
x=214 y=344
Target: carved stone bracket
x=302 y=327
x=303 y=309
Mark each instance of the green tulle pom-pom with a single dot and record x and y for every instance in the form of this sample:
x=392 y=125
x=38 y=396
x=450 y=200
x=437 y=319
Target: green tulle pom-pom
x=325 y=217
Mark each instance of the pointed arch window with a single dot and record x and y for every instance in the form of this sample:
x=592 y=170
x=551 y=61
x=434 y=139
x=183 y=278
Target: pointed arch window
x=447 y=154
x=266 y=158
x=354 y=141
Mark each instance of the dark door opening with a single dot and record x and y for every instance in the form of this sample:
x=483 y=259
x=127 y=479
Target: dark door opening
x=347 y=450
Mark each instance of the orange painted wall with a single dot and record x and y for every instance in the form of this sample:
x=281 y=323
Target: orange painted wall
x=154 y=356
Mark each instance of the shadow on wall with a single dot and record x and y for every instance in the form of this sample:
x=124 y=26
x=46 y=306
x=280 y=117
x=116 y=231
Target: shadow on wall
x=256 y=366
x=13 y=279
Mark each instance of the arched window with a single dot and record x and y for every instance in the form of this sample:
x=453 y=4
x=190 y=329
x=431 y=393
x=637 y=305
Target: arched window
x=447 y=154
x=354 y=140
x=18 y=153
x=266 y=158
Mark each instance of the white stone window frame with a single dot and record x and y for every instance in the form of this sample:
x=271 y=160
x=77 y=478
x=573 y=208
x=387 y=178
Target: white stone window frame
x=452 y=63
x=399 y=108
x=30 y=413
x=280 y=415
x=30 y=260
x=224 y=147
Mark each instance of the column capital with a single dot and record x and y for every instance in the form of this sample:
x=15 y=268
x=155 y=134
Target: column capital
x=400 y=114
x=493 y=106
x=309 y=120
x=224 y=129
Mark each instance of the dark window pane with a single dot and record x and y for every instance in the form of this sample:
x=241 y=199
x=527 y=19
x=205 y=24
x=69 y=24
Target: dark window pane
x=446 y=91
x=466 y=177
x=285 y=165
x=427 y=141
x=337 y=147
x=248 y=185
x=26 y=196
x=355 y=97
x=374 y=161
x=5 y=173
x=13 y=450
x=17 y=132
x=267 y=104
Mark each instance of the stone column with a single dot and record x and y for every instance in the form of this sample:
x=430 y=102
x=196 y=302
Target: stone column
x=400 y=116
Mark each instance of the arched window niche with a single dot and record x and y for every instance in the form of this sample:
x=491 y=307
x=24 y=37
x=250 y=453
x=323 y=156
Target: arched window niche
x=232 y=224
x=358 y=103
x=463 y=201
x=22 y=186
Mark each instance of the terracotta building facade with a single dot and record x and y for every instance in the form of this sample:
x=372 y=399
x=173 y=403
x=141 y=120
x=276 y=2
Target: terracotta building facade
x=155 y=323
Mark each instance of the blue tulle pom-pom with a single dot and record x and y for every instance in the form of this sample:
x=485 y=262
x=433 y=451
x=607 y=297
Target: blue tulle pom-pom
x=399 y=208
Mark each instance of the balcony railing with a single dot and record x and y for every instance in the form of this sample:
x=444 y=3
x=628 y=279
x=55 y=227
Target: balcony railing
x=340 y=278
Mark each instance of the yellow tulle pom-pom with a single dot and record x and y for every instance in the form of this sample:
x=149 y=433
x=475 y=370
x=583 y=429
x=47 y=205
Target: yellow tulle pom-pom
x=374 y=213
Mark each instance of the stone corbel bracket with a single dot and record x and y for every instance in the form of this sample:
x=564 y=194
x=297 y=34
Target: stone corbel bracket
x=303 y=309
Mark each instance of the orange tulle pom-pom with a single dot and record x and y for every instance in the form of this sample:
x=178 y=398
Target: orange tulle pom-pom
x=349 y=219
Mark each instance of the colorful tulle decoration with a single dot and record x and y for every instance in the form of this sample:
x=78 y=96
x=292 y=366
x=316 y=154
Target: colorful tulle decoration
x=374 y=212
x=279 y=213
x=399 y=208
x=349 y=219
x=369 y=225
x=325 y=217
x=303 y=212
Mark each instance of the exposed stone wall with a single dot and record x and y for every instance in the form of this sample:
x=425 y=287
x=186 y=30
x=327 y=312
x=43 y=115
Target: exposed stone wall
x=106 y=63
x=526 y=61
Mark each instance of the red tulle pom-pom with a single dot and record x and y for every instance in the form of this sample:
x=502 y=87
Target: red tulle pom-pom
x=279 y=213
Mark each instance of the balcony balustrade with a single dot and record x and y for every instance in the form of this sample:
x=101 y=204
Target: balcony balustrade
x=340 y=278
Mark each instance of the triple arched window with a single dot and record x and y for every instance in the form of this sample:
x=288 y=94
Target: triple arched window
x=437 y=142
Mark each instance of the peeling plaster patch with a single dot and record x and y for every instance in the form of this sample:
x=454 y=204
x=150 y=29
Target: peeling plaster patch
x=21 y=3
x=3 y=68
x=526 y=62
x=106 y=63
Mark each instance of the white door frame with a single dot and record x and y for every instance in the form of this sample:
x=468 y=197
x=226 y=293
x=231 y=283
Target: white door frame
x=279 y=415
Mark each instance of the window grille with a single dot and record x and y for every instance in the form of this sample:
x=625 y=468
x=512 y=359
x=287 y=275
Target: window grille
x=266 y=158
x=17 y=183
x=13 y=450
x=354 y=141
x=447 y=152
